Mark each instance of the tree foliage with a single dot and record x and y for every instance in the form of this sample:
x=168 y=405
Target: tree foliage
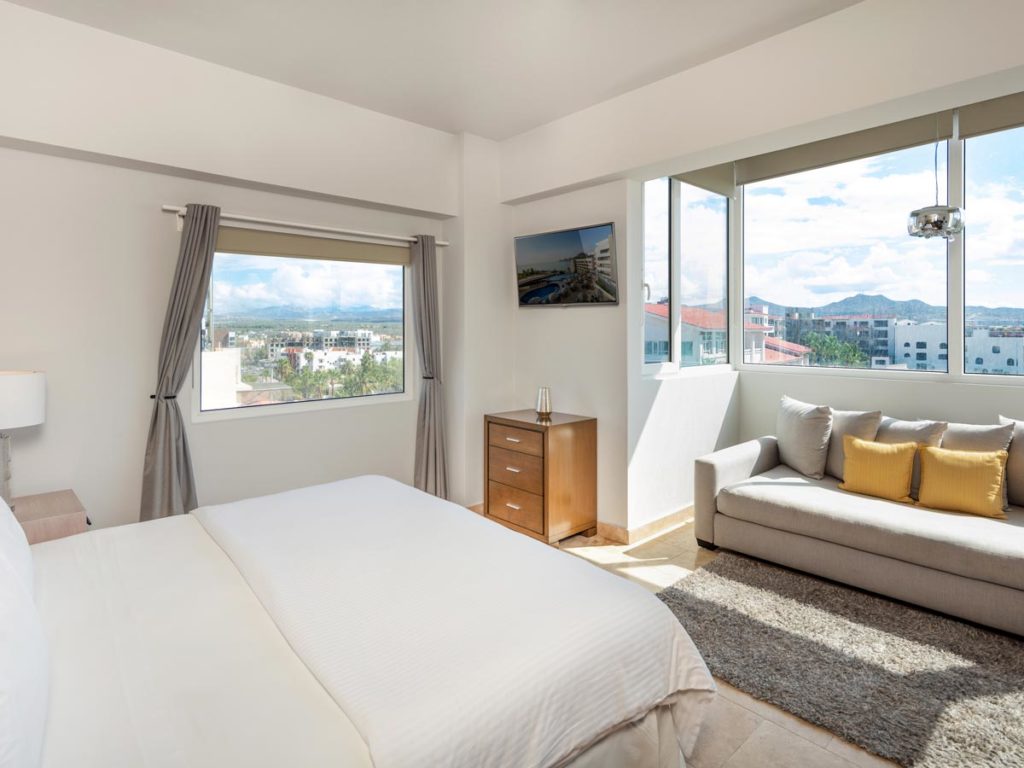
x=345 y=379
x=829 y=351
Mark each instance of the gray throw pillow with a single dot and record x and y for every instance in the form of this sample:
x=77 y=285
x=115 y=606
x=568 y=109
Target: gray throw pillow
x=1015 y=464
x=921 y=432
x=862 y=424
x=980 y=437
x=803 y=431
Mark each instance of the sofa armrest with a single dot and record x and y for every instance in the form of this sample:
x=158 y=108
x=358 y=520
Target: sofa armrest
x=723 y=468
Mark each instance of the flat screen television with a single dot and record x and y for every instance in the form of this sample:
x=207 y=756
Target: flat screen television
x=568 y=267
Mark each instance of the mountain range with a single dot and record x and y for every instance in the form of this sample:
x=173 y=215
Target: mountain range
x=338 y=313
x=883 y=306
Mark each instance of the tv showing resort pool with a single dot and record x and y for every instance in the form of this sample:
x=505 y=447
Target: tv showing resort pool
x=572 y=266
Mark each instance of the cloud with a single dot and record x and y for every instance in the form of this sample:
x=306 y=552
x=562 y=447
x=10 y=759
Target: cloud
x=250 y=282
x=804 y=253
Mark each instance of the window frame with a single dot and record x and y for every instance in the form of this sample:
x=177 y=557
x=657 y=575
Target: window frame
x=673 y=367
x=409 y=378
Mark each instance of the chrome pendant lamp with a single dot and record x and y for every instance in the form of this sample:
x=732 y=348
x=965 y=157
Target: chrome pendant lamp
x=938 y=220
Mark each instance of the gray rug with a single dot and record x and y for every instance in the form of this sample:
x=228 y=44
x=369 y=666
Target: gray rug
x=909 y=685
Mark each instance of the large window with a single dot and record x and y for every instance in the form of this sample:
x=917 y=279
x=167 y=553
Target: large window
x=278 y=329
x=686 y=226
x=994 y=253
x=831 y=277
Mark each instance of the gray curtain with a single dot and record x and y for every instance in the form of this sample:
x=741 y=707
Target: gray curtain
x=431 y=469
x=168 y=484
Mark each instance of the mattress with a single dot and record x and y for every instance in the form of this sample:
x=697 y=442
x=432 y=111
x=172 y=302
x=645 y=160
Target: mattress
x=359 y=623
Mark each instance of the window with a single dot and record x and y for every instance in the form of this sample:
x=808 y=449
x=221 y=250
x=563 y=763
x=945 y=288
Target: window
x=943 y=345
x=704 y=254
x=826 y=255
x=993 y=263
x=657 y=272
x=698 y=293
x=979 y=361
x=279 y=329
x=943 y=356
x=1010 y=362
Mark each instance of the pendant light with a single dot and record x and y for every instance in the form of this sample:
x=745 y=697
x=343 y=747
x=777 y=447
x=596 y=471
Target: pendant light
x=938 y=220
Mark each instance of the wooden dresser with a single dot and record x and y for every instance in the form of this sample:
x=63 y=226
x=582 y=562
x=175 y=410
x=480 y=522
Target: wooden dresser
x=540 y=477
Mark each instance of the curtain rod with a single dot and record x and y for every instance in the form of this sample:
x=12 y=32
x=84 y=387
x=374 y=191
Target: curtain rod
x=179 y=211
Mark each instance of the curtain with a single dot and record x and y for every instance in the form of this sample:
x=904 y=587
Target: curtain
x=168 y=484
x=431 y=468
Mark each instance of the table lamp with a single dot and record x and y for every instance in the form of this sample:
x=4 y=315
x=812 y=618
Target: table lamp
x=22 y=404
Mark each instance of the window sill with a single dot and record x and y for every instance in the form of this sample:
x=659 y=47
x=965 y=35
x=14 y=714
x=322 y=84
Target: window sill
x=671 y=371
x=879 y=374
x=290 y=409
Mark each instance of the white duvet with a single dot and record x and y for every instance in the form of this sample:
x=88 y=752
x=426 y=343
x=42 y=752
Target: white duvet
x=450 y=641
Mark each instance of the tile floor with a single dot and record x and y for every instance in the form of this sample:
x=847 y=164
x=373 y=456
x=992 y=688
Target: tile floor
x=740 y=731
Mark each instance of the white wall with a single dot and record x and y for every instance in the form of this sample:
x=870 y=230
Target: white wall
x=478 y=314
x=580 y=352
x=72 y=86
x=872 y=63
x=672 y=419
x=86 y=264
x=929 y=398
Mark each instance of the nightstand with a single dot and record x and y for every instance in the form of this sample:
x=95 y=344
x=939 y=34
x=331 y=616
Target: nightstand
x=46 y=516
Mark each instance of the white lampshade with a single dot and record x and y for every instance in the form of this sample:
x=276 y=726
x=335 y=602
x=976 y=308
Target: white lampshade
x=22 y=398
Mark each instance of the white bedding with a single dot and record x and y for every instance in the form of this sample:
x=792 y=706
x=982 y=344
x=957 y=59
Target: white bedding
x=446 y=639
x=162 y=656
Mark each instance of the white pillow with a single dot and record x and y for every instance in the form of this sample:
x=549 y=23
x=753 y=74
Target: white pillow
x=803 y=431
x=24 y=674
x=14 y=546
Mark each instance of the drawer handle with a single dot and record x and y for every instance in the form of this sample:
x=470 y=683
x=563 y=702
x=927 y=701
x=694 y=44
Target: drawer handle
x=510 y=505
x=513 y=439
x=513 y=470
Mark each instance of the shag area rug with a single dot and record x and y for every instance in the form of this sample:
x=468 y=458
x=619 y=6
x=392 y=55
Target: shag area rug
x=909 y=685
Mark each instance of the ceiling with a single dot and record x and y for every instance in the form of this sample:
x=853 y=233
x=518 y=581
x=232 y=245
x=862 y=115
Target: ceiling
x=495 y=68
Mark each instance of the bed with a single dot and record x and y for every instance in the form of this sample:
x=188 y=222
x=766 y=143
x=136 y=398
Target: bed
x=357 y=623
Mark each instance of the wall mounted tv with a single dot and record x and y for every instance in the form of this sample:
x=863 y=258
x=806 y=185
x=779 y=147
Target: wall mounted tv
x=568 y=267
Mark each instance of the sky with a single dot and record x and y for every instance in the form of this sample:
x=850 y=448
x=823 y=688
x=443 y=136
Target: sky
x=240 y=283
x=547 y=250
x=815 y=237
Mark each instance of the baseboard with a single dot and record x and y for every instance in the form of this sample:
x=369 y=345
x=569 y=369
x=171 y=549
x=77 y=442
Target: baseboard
x=621 y=535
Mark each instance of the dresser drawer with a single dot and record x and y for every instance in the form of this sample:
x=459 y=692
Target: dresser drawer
x=521 y=440
x=520 y=470
x=515 y=506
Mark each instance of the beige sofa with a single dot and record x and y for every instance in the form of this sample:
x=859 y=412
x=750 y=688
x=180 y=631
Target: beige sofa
x=964 y=565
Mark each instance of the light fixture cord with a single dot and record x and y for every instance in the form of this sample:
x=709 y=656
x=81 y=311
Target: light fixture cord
x=936 y=173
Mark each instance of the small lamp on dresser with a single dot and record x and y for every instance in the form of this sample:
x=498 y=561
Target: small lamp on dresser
x=22 y=404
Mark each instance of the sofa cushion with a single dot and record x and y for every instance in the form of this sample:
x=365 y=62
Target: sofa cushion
x=976 y=547
x=983 y=438
x=860 y=424
x=921 y=432
x=803 y=431
x=1015 y=464
x=963 y=481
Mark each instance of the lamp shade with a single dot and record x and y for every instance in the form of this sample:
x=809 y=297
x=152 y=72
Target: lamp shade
x=22 y=399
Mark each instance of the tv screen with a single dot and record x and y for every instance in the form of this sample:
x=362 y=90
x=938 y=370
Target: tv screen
x=573 y=266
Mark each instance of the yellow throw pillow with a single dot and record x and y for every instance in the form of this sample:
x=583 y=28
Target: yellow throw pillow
x=878 y=469
x=963 y=481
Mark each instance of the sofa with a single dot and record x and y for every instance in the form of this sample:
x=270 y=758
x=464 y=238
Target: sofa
x=967 y=566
